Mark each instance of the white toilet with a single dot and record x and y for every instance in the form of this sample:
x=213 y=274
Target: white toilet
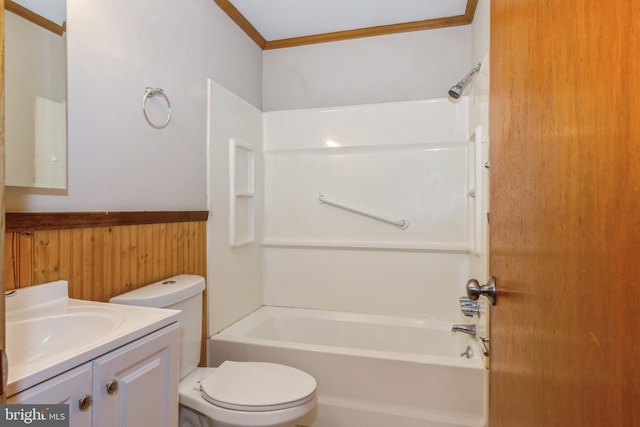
x=236 y=394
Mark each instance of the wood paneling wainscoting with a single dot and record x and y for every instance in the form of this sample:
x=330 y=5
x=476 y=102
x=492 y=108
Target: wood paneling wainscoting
x=103 y=254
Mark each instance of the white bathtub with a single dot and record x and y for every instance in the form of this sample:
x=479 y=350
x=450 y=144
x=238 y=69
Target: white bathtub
x=372 y=371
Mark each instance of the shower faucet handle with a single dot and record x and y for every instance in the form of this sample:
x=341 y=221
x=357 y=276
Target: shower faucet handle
x=469 y=307
x=471 y=311
x=467 y=301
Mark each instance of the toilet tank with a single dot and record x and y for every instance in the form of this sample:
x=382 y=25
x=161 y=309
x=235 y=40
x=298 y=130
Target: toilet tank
x=184 y=293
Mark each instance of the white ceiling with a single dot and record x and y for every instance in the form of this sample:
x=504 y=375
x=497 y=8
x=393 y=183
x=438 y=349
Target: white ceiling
x=282 y=19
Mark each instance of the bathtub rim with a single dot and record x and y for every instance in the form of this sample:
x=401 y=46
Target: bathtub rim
x=236 y=333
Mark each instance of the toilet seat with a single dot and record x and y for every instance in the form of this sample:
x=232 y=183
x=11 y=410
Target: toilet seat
x=257 y=386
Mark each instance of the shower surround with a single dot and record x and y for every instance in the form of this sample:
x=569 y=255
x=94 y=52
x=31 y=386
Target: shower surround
x=405 y=160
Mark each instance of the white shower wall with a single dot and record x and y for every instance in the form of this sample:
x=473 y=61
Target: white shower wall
x=234 y=273
x=404 y=160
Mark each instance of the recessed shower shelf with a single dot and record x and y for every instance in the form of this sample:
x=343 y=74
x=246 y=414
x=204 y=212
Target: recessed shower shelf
x=241 y=193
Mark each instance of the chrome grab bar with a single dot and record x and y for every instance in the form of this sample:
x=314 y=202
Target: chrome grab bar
x=401 y=223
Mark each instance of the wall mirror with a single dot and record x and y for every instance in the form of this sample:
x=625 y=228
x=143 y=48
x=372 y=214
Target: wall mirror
x=36 y=92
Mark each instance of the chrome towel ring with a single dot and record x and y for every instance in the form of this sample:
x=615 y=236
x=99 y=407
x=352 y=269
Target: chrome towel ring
x=150 y=93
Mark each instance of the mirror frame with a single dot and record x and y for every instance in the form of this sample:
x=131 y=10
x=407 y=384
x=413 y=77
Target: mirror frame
x=22 y=11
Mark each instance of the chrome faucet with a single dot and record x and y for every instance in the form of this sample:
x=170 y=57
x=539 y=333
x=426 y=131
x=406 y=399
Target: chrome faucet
x=465 y=329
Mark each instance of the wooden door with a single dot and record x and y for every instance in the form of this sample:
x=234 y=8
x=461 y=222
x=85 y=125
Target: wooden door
x=3 y=376
x=565 y=213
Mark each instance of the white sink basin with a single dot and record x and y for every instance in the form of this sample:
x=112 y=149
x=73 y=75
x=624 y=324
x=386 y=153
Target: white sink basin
x=48 y=333
x=38 y=337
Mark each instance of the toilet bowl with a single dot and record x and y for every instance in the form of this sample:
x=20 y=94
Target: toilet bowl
x=235 y=394
x=197 y=411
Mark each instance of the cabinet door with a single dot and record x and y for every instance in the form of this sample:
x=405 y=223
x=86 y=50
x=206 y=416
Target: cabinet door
x=137 y=385
x=68 y=388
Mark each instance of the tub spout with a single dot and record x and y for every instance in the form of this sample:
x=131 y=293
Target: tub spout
x=465 y=329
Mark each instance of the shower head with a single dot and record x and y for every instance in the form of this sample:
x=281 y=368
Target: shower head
x=456 y=90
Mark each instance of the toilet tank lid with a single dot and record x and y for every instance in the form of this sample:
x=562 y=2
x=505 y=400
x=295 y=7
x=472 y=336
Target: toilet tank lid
x=163 y=293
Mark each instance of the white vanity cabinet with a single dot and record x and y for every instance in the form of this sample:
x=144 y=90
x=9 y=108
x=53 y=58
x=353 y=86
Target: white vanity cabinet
x=71 y=388
x=135 y=385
